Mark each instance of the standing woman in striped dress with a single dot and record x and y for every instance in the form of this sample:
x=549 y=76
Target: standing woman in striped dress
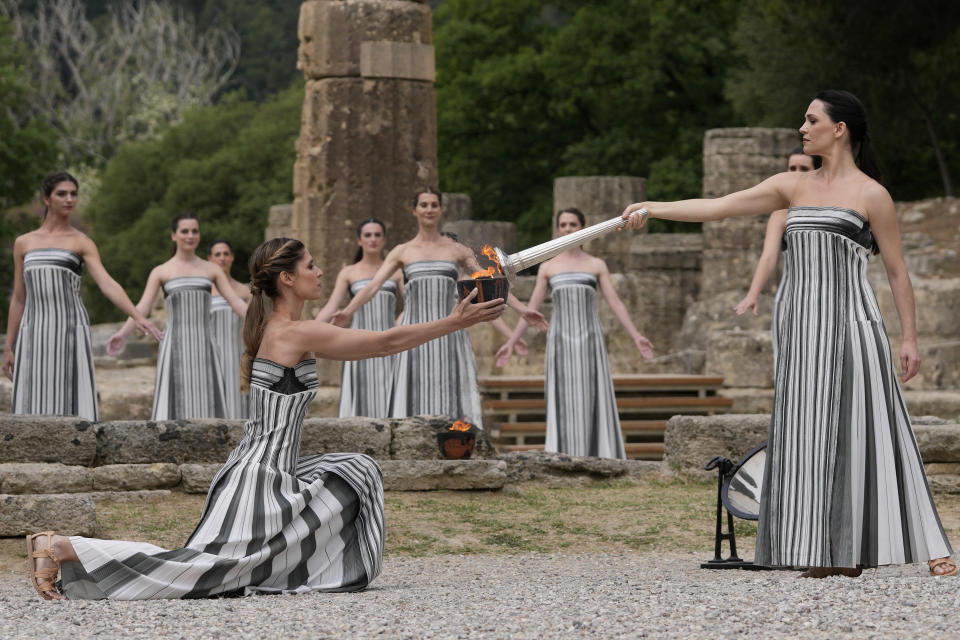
x=582 y=418
x=365 y=385
x=190 y=381
x=52 y=363
x=844 y=486
x=439 y=377
x=273 y=522
x=226 y=327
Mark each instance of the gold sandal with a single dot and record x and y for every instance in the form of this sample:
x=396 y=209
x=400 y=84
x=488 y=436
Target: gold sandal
x=943 y=562
x=43 y=580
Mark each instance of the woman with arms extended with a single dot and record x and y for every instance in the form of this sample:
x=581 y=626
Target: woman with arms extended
x=582 y=417
x=844 y=486
x=365 y=384
x=52 y=363
x=190 y=379
x=225 y=328
x=439 y=377
x=273 y=521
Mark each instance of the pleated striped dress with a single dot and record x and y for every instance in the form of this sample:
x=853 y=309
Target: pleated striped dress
x=844 y=484
x=273 y=522
x=582 y=418
x=439 y=377
x=225 y=328
x=365 y=385
x=53 y=361
x=190 y=380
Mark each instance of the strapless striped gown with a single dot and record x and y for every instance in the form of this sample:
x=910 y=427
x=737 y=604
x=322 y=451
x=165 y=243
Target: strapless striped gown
x=273 y=522
x=582 y=418
x=365 y=385
x=53 y=361
x=844 y=484
x=225 y=328
x=439 y=377
x=189 y=372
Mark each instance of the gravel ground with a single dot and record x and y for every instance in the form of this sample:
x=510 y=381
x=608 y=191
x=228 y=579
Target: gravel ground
x=528 y=596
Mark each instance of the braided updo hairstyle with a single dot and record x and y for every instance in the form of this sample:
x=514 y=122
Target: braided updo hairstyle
x=268 y=261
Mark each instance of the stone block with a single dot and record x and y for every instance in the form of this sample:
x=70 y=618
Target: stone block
x=938 y=442
x=197 y=478
x=126 y=394
x=944 y=483
x=67 y=514
x=430 y=475
x=138 y=350
x=477 y=233
x=327 y=402
x=415 y=438
x=662 y=251
x=346 y=435
x=738 y=158
x=731 y=270
x=332 y=33
x=745 y=232
x=135 y=477
x=456 y=206
x=389 y=153
x=715 y=313
x=942 y=468
x=179 y=442
x=50 y=477
x=690 y=442
x=561 y=470
x=749 y=400
x=279 y=223
x=6 y=395
x=743 y=358
x=35 y=438
x=601 y=198
x=944 y=404
x=404 y=60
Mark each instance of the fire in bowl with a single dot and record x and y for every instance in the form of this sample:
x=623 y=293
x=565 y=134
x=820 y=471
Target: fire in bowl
x=491 y=288
x=457 y=442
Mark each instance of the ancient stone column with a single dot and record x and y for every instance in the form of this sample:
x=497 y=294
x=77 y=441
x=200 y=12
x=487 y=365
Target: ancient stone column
x=601 y=198
x=735 y=159
x=368 y=136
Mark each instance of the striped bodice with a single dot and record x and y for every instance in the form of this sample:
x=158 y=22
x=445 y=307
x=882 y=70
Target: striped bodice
x=836 y=220
x=573 y=279
x=431 y=290
x=574 y=296
x=271 y=376
x=219 y=303
x=379 y=313
x=186 y=283
x=57 y=258
x=188 y=301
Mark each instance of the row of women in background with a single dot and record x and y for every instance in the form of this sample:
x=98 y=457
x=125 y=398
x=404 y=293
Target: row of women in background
x=48 y=351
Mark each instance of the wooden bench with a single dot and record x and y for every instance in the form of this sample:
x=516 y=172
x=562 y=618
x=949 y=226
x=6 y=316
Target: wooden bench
x=515 y=409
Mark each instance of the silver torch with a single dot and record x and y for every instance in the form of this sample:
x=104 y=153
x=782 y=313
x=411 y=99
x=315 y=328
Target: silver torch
x=516 y=262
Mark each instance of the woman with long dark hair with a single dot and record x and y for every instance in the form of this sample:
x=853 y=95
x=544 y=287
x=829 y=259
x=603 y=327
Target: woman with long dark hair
x=844 y=486
x=190 y=380
x=273 y=521
x=48 y=352
x=582 y=417
x=365 y=384
x=439 y=377
x=226 y=327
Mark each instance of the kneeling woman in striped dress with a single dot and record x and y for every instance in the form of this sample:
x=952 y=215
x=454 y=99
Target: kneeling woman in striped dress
x=273 y=521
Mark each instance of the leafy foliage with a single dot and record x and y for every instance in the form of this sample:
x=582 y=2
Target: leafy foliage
x=28 y=148
x=227 y=163
x=899 y=58
x=529 y=90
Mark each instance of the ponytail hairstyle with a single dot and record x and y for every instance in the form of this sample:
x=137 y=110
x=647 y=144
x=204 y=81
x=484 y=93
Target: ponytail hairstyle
x=421 y=191
x=574 y=211
x=358 y=256
x=843 y=106
x=268 y=261
x=50 y=182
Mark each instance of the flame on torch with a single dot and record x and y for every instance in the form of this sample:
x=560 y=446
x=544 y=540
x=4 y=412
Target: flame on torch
x=460 y=425
x=492 y=256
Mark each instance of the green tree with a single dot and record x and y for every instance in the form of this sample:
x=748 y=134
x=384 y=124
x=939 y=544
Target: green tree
x=28 y=150
x=228 y=163
x=901 y=59
x=529 y=90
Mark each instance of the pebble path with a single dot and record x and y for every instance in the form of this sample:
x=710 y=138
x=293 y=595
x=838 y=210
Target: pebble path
x=636 y=595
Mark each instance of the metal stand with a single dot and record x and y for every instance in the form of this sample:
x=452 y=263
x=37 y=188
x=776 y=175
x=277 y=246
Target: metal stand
x=723 y=467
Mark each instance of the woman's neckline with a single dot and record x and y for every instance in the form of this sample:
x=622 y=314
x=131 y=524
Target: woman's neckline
x=830 y=206
x=76 y=253
x=283 y=366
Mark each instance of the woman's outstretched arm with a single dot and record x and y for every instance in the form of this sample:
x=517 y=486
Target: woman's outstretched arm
x=17 y=302
x=536 y=299
x=767 y=263
x=340 y=288
x=390 y=265
x=620 y=312
x=115 y=343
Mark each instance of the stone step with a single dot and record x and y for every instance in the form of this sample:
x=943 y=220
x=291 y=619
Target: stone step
x=69 y=514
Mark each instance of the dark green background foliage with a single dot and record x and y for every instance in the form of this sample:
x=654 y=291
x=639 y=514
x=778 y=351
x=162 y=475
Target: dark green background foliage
x=227 y=163
x=530 y=90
